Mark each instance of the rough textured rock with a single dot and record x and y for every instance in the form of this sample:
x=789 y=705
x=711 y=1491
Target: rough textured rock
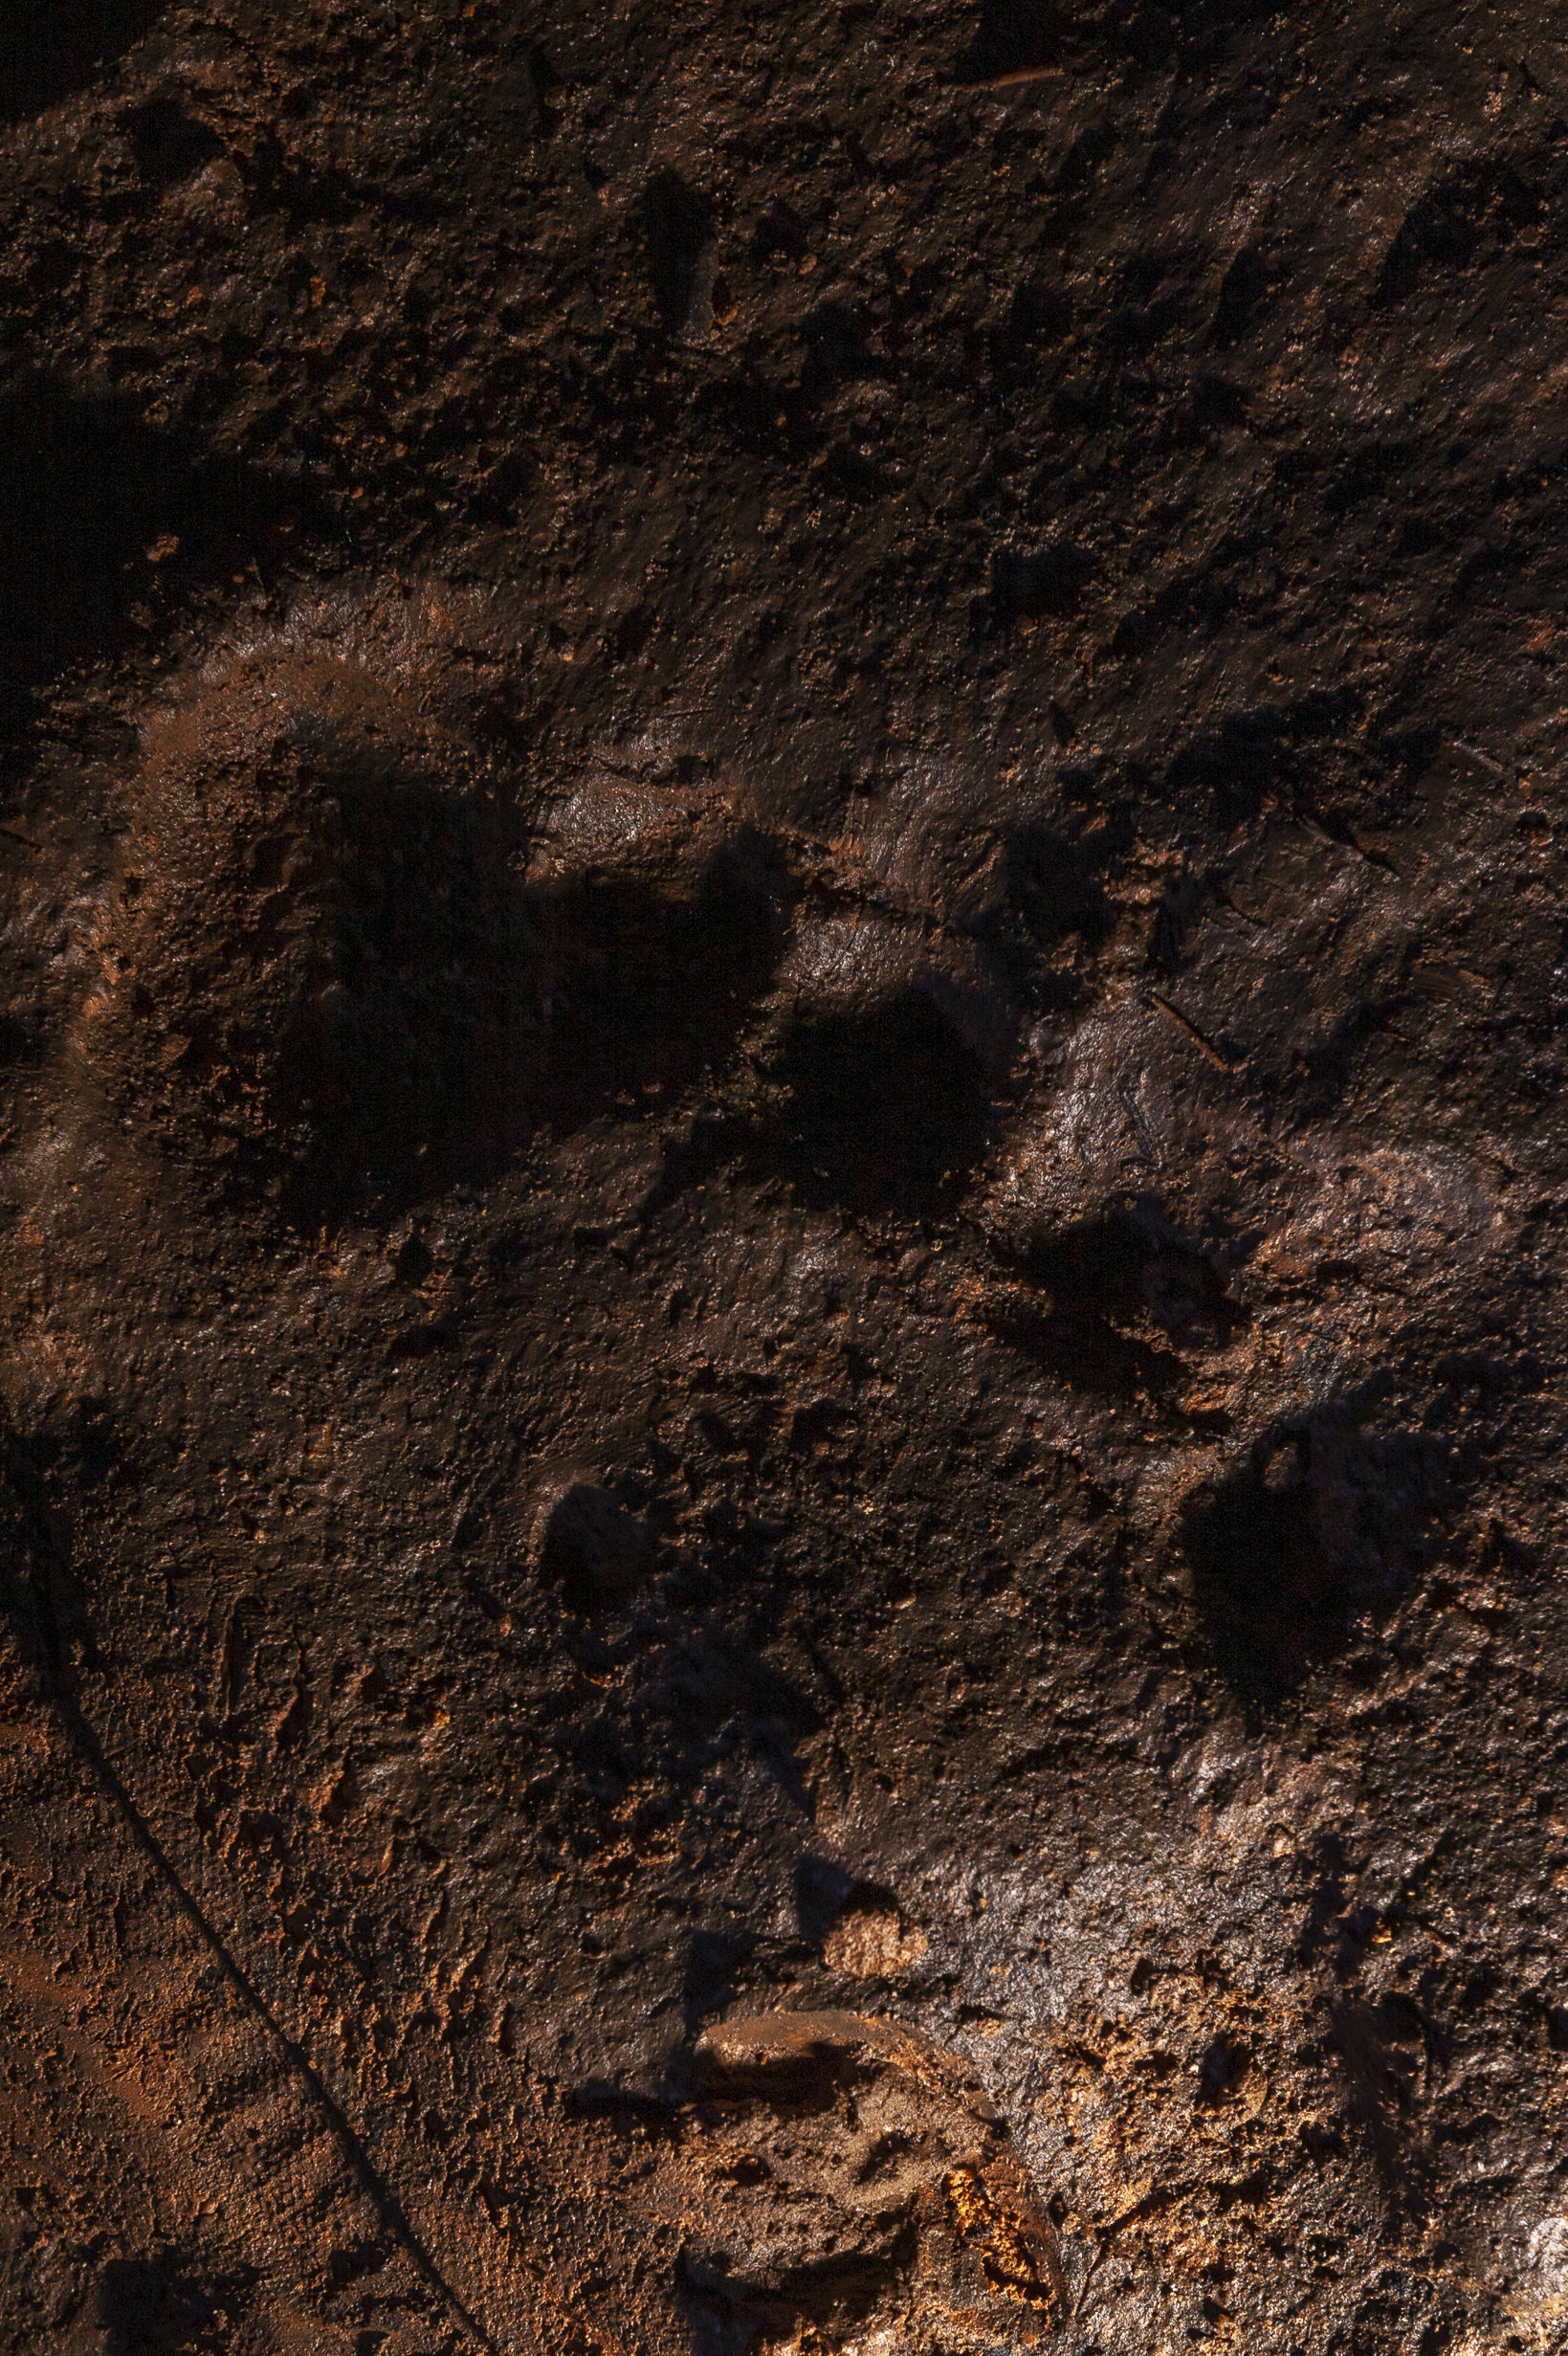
x=782 y=1192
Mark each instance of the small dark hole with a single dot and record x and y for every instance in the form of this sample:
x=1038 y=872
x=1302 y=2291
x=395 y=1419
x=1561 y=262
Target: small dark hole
x=170 y=144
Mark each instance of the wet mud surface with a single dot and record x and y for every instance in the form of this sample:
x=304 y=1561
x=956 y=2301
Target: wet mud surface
x=783 y=1192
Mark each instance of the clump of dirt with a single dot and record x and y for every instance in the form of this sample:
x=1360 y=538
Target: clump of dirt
x=871 y=1941
x=857 y=2190
x=311 y=956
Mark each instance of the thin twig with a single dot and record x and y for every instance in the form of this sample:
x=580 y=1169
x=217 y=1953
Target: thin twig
x=1204 y=1045
x=1019 y=74
x=1083 y=2287
x=1485 y=757
x=1106 y=2235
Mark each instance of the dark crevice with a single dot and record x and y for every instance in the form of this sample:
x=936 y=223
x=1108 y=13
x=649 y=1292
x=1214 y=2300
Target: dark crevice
x=49 y=48
x=106 y=524
x=878 y=1108
x=1323 y=1522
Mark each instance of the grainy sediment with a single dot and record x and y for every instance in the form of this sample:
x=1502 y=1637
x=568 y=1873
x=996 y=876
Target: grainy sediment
x=782 y=1191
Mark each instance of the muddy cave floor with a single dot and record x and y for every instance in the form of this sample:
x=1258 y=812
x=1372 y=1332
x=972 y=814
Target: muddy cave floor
x=782 y=1185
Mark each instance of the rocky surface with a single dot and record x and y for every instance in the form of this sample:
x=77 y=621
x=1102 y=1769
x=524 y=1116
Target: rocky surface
x=782 y=1182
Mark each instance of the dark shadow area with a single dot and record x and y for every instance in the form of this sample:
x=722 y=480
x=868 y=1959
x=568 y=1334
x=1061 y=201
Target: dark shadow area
x=1222 y=2069
x=1470 y=217
x=1086 y=1351
x=152 y=2306
x=646 y=989
x=1095 y=1268
x=168 y=141
x=399 y=1071
x=1038 y=317
x=1256 y=755
x=106 y=524
x=1054 y=893
x=1015 y=38
x=40 y=1595
x=319 y=959
x=51 y=48
x=1372 y=471
x=1022 y=40
x=1031 y=584
x=712 y=1967
x=879 y=1109
x=1246 y=291
x=331 y=989
x=1098 y=1304
x=678 y=224
x=822 y=1892
x=713 y=1686
x=780 y=238
x=1322 y=1523
x=593 y=1549
x=1384 y=2049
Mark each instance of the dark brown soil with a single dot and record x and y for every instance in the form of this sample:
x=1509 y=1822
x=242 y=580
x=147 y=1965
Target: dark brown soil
x=782 y=1184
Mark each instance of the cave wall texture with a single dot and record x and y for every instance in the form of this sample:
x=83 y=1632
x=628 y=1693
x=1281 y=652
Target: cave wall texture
x=782 y=1189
